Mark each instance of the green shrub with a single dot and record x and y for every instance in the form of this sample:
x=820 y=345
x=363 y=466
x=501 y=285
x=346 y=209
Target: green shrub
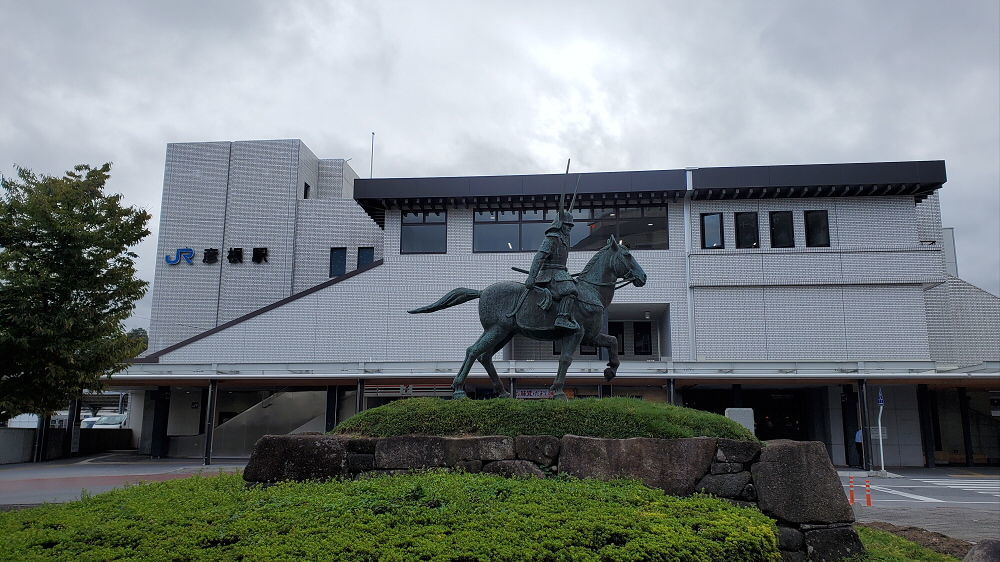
x=427 y=516
x=618 y=418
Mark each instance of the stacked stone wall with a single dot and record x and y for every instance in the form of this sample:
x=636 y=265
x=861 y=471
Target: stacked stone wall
x=793 y=482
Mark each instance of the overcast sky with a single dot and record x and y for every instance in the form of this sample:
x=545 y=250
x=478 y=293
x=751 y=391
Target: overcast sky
x=465 y=88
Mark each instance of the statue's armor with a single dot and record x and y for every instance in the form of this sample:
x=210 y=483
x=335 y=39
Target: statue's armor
x=553 y=274
x=548 y=269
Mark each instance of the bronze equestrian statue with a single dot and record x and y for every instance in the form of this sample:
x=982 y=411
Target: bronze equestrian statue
x=507 y=308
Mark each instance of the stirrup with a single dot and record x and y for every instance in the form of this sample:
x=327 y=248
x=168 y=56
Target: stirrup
x=564 y=321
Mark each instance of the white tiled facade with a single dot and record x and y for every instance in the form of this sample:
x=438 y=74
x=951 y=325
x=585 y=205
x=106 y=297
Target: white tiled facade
x=875 y=294
x=879 y=293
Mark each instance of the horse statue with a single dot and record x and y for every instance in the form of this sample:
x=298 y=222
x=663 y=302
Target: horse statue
x=507 y=308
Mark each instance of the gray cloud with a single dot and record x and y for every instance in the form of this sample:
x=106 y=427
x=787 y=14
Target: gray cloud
x=488 y=88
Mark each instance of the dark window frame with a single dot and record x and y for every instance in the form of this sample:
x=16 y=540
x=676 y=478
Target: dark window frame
x=791 y=226
x=443 y=224
x=305 y=190
x=342 y=251
x=366 y=262
x=740 y=243
x=810 y=241
x=722 y=232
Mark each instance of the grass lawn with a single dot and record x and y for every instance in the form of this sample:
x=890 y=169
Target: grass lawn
x=883 y=546
x=618 y=418
x=431 y=516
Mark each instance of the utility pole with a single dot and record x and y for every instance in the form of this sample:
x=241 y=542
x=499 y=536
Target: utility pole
x=371 y=161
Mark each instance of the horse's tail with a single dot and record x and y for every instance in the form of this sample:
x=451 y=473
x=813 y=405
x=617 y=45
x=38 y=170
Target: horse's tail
x=455 y=297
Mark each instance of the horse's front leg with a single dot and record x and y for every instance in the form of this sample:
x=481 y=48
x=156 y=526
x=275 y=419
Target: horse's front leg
x=570 y=344
x=611 y=344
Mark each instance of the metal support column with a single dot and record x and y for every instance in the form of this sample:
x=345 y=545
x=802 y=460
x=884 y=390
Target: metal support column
x=926 y=425
x=360 y=406
x=213 y=398
x=513 y=387
x=866 y=435
x=737 y=396
x=41 y=438
x=333 y=394
x=963 y=408
x=672 y=391
x=161 y=411
x=71 y=439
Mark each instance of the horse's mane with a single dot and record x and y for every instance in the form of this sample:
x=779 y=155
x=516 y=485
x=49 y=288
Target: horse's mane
x=590 y=264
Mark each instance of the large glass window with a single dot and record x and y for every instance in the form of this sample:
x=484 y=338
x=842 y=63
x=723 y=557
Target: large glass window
x=711 y=231
x=817 y=229
x=782 y=230
x=424 y=232
x=747 y=235
x=496 y=231
x=641 y=228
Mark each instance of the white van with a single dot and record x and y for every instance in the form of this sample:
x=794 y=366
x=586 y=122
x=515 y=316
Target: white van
x=114 y=421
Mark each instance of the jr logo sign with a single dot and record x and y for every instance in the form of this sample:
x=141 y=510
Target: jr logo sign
x=187 y=254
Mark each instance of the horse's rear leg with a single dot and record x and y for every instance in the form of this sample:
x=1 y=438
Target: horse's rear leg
x=570 y=344
x=611 y=344
x=485 y=342
x=487 y=360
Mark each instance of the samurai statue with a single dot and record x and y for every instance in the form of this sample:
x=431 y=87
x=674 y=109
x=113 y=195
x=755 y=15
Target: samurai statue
x=548 y=269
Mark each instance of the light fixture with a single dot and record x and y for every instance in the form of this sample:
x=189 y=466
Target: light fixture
x=649 y=224
x=509 y=246
x=647 y=315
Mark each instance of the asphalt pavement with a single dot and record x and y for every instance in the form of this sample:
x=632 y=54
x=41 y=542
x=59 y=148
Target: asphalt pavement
x=64 y=480
x=963 y=503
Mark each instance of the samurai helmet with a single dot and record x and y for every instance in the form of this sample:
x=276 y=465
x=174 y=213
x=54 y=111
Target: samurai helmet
x=563 y=217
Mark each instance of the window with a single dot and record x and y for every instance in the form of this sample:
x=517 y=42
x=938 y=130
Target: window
x=366 y=255
x=711 y=231
x=643 y=228
x=305 y=191
x=338 y=261
x=496 y=231
x=747 y=235
x=782 y=231
x=643 y=338
x=423 y=232
x=817 y=229
x=617 y=329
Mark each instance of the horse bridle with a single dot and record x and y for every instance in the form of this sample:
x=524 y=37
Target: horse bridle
x=627 y=278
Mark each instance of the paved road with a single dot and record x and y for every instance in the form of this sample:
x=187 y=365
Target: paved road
x=63 y=480
x=959 y=502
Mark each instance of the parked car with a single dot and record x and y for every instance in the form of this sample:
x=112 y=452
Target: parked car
x=114 y=421
x=88 y=422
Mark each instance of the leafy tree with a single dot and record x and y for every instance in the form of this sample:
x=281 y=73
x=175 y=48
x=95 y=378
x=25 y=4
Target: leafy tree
x=140 y=336
x=67 y=281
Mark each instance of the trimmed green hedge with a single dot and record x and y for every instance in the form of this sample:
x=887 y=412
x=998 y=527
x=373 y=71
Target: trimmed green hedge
x=618 y=418
x=427 y=516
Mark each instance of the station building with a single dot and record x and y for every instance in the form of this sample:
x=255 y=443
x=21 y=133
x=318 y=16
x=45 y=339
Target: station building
x=804 y=292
